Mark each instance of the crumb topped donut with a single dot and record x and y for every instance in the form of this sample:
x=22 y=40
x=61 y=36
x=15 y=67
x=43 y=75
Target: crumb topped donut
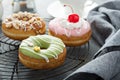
x=21 y=25
x=72 y=30
x=42 y=52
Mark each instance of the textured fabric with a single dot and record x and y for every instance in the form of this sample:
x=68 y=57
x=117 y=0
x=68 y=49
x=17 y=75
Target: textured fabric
x=105 y=23
x=84 y=76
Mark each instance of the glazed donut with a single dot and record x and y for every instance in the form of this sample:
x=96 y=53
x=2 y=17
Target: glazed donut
x=42 y=52
x=73 y=31
x=22 y=25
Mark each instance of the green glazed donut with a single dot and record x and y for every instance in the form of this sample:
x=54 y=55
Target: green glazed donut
x=42 y=47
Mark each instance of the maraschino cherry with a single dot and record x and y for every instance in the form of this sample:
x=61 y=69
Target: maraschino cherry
x=73 y=18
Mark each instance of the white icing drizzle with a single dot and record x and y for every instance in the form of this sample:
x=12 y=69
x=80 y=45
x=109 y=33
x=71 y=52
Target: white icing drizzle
x=51 y=55
x=78 y=31
x=29 y=43
x=57 y=48
x=58 y=43
x=56 y=56
x=45 y=57
x=67 y=33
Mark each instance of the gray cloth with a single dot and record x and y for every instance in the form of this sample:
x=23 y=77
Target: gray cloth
x=105 y=23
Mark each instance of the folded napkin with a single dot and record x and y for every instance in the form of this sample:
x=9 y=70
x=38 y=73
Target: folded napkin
x=105 y=23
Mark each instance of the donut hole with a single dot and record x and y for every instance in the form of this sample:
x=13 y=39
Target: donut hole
x=44 y=46
x=41 y=43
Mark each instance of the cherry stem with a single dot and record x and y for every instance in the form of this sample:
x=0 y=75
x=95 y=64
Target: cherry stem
x=69 y=6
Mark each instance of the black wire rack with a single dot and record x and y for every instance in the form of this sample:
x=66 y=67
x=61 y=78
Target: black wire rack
x=12 y=69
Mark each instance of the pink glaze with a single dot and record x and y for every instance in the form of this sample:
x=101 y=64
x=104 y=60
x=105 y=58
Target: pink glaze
x=55 y=26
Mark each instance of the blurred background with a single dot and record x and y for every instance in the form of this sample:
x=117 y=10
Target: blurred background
x=46 y=8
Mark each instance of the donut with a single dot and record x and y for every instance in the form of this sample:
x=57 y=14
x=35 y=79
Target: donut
x=21 y=25
x=42 y=52
x=72 y=30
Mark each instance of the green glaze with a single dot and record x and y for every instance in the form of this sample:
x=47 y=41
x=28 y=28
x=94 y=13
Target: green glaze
x=50 y=46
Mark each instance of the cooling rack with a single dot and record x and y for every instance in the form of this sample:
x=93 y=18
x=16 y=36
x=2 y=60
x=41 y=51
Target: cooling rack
x=12 y=69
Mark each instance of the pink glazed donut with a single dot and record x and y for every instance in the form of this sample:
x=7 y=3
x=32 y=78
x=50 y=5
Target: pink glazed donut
x=72 y=30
